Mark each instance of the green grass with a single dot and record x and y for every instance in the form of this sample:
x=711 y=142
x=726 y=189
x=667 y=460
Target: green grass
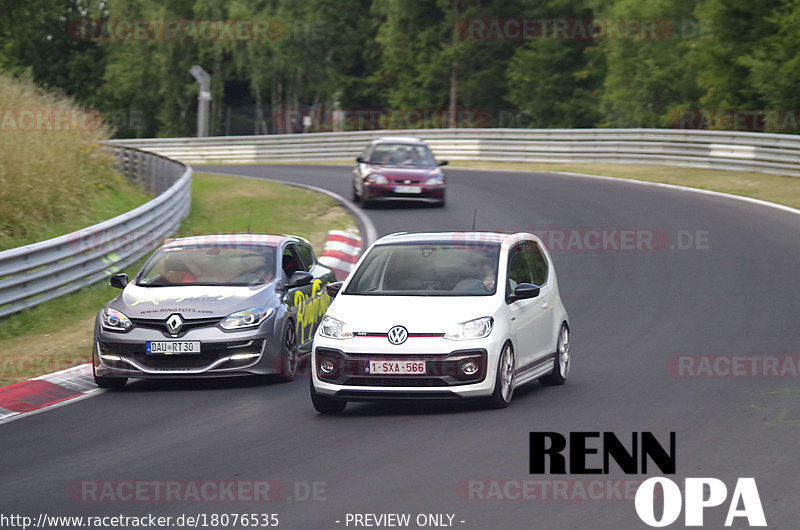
x=55 y=178
x=57 y=334
x=224 y=204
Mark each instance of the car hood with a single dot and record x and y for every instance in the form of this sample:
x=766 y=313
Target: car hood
x=196 y=301
x=402 y=172
x=418 y=314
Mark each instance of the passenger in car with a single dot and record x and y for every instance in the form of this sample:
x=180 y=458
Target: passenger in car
x=481 y=284
x=174 y=270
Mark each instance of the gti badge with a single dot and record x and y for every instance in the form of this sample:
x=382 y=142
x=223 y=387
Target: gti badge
x=174 y=324
x=398 y=335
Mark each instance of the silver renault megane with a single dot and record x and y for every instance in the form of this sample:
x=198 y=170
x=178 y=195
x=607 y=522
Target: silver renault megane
x=212 y=306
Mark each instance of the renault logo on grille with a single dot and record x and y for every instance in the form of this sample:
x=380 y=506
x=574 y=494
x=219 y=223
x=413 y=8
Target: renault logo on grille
x=398 y=335
x=174 y=324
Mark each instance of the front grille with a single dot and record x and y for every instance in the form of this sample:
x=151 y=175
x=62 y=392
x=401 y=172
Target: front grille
x=441 y=370
x=161 y=324
x=210 y=353
x=395 y=381
x=376 y=395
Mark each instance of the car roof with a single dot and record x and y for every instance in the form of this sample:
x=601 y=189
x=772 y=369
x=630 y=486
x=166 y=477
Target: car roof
x=470 y=237
x=399 y=140
x=231 y=240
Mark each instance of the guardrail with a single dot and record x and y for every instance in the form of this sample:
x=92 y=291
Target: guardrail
x=41 y=271
x=738 y=151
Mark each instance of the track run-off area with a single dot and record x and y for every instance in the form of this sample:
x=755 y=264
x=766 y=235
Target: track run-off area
x=684 y=312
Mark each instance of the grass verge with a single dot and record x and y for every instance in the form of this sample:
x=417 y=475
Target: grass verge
x=57 y=334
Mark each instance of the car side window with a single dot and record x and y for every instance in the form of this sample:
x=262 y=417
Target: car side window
x=290 y=261
x=306 y=254
x=537 y=262
x=519 y=270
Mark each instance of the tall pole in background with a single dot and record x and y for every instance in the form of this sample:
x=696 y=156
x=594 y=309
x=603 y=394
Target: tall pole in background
x=203 y=99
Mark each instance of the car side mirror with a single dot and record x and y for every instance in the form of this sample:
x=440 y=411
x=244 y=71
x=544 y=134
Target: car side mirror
x=524 y=291
x=360 y=160
x=333 y=288
x=443 y=162
x=119 y=280
x=300 y=278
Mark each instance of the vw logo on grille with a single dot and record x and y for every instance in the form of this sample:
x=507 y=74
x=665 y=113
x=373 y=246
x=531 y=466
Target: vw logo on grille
x=174 y=324
x=398 y=335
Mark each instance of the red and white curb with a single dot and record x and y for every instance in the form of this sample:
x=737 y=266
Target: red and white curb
x=46 y=391
x=341 y=253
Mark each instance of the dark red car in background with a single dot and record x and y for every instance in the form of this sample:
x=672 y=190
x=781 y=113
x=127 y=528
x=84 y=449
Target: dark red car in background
x=401 y=168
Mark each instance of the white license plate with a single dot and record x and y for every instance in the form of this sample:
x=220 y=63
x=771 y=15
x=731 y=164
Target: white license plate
x=394 y=367
x=408 y=189
x=173 y=347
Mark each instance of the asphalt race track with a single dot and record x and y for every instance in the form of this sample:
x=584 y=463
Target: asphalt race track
x=728 y=286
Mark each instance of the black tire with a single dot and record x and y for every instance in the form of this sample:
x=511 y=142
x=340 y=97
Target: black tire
x=563 y=360
x=110 y=382
x=324 y=405
x=356 y=197
x=288 y=359
x=504 y=379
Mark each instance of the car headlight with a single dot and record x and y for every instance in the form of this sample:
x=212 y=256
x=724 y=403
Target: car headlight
x=115 y=320
x=433 y=181
x=334 y=329
x=247 y=318
x=376 y=178
x=471 y=329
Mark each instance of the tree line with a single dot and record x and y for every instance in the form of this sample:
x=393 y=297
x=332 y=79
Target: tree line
x=310 y=65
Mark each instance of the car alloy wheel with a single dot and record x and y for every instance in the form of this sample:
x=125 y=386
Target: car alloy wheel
x=325 y=405
x=562 y=362
x=289 y=356
x=108 y=382
x=504 y=382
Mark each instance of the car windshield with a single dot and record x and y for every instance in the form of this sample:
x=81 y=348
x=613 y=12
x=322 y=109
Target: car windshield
x=402 y=155
x=421 y=269
x=209 y=265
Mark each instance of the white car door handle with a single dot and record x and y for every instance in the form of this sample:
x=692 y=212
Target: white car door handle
x=544 y=305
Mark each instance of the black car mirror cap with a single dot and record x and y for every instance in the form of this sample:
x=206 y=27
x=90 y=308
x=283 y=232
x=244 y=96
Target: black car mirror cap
x=360 y=160
x=333 y=288
x=119 y=280
x=300 y=278
x=524 y=291
x=443 y=162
